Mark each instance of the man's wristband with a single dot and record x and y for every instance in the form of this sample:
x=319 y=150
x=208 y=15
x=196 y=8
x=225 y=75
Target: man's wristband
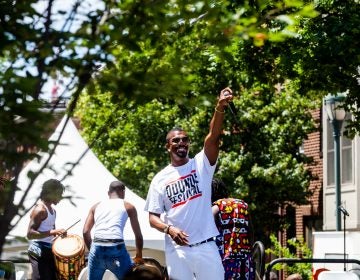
x=166 y=229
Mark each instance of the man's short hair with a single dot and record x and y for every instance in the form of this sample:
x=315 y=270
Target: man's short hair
x=116 y=185
x=50 y=186
x=176 y=128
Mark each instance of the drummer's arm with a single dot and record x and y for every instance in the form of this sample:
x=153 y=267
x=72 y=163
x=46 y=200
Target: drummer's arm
x=89 y=223
x=38 y=215
x=132 y=213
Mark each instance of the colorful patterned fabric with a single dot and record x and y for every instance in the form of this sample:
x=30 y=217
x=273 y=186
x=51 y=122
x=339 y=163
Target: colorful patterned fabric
x=234 y=240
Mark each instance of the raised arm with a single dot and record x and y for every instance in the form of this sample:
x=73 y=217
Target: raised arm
x=212 y=140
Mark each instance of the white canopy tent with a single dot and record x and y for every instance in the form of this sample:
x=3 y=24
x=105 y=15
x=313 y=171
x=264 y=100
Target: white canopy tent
x=87 y=184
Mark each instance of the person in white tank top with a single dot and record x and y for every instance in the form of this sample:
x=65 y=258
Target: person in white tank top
x=107 y=220
x=41 y=231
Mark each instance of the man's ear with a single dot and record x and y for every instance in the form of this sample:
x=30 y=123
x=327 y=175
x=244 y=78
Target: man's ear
x=167 y=146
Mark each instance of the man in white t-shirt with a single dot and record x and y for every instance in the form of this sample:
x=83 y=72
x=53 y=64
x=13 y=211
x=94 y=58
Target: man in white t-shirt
x=182 y=192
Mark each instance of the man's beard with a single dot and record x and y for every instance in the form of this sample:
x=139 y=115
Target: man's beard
x=182 y=152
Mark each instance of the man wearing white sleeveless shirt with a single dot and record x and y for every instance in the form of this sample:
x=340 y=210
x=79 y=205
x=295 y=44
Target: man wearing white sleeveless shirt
x=41 y=231
x=107 y=249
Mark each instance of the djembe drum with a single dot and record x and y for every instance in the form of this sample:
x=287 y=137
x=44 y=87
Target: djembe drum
x=69 y=253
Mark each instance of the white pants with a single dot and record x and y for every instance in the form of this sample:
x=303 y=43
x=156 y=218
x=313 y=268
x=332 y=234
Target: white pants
x=201 y=262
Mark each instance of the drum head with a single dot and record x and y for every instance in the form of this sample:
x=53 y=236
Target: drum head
x=68 y=246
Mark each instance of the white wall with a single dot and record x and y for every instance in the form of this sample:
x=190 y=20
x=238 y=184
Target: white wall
x=350 y=194
x=330 y=244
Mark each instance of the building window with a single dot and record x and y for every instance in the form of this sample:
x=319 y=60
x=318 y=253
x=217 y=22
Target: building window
x=345 y=154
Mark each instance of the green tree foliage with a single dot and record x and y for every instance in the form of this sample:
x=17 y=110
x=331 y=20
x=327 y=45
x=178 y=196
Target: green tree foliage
x=329 y=56
x=259 y=158
x=128 y=138
x=32 y=49
x=294 y=249
x=154 y=56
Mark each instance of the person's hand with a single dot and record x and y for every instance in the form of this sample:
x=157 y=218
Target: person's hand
x=138 y=260
x=179 y=236
x=225 y=98
x=56 y=232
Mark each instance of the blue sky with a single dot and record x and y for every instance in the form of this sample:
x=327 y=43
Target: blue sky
x=58 y=22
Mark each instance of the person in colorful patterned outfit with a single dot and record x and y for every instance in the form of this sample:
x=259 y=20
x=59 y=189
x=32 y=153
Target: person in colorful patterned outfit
x=235 y=240
x=182 y=193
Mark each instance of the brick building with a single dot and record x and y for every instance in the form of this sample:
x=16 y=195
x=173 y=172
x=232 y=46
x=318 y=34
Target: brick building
x=318 y=218
x=309 y=217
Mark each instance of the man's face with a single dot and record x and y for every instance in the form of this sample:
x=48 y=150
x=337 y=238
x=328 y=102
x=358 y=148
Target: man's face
x=56 y=196
x=178 y=144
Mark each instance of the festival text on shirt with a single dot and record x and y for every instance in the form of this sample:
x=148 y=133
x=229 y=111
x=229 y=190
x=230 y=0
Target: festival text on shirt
x=183 y=189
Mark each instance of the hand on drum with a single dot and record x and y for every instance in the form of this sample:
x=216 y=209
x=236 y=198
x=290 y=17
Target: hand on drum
x=179 y=236
x=58 y=232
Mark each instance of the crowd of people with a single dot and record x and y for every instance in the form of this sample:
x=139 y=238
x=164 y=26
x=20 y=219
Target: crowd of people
x=207 y=233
